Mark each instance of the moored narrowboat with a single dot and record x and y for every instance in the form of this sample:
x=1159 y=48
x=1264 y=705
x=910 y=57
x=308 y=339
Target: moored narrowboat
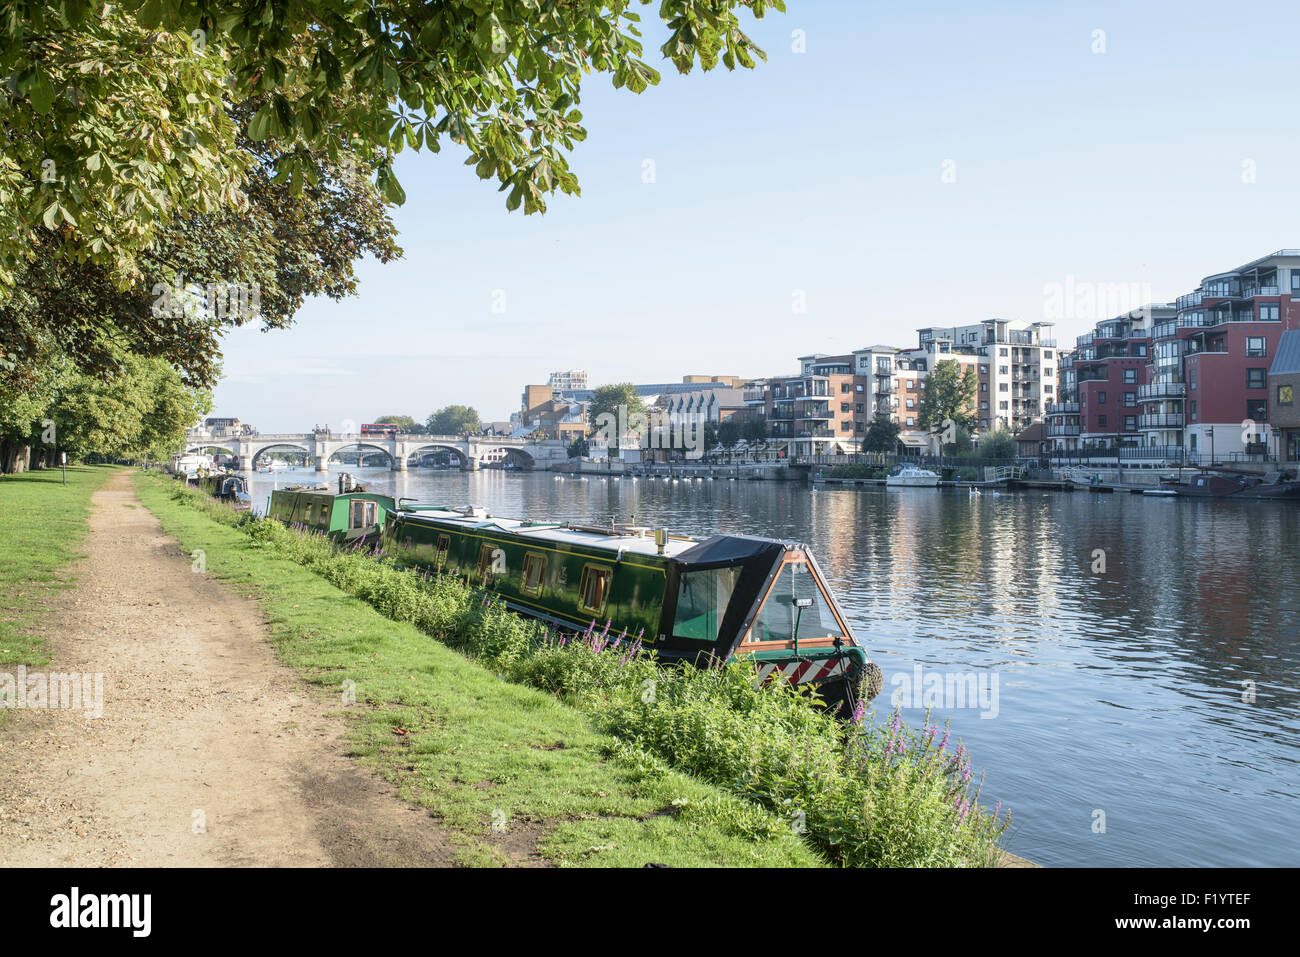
x=346 y=517
x=690 y=600
x=227 y=487
x=1206 y=485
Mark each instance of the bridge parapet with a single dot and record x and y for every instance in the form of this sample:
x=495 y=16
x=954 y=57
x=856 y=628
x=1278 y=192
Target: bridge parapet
x=321 y=446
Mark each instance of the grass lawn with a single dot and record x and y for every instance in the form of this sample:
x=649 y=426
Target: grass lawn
x=511 y=769
x=41 y=524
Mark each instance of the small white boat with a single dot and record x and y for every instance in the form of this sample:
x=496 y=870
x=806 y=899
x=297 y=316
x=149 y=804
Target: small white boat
x=190 y=464
x=274 y=466
x=1162 y=492
x=910 y=476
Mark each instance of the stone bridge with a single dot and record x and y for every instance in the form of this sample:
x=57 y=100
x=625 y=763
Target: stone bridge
x=401 y=450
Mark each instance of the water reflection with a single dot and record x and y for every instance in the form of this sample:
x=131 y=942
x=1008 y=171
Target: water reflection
x=1120 y=691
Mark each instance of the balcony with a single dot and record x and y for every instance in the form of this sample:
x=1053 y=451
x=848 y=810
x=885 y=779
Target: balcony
x=1162 y=390
x=1165 y=420
x=1062 y=408
x=1055 y=431
x=1251 y=291
x=814 y=415
x=1222 y=290
x=1189 y=301
x=1084 y=340
x=755 y=395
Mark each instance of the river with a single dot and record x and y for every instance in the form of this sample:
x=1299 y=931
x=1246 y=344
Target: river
x=1145 y=650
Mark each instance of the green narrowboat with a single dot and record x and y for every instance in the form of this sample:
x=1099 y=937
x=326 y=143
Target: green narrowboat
x=346 y=517
x=225 y=486
x=690 y=600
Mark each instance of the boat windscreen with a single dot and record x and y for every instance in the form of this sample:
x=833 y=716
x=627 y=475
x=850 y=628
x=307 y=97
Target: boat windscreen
x=794 y=600
x=702 y=600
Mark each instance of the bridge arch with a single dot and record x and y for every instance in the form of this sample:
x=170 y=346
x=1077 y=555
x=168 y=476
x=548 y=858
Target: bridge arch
x=363 y=449
x=417 y=454
x=512 y=456
x=254 y=460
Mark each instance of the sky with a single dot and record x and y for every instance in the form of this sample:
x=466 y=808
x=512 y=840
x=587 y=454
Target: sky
x=889 y=167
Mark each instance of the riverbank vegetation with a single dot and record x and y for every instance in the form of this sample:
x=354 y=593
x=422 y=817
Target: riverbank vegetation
x=518 y=774
x=42 y=521
x=866 y=794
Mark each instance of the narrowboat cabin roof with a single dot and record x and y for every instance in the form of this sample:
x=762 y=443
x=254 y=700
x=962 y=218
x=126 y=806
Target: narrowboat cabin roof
x=629 y=539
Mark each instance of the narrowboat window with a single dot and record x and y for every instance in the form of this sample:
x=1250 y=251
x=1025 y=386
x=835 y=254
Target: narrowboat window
x=485 y=569
x=534 y=570
x=702 y=599
x=444 y=542
x=593 y=590
x=362 y=513
x=776 y=621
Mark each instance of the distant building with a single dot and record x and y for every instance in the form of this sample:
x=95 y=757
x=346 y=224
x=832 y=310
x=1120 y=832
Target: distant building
x=570 y=381
x=1015 y=360
x=1225 y=337
x=1283 y=389
x=1188 y=376
x=1112 y=371
x=217 y=427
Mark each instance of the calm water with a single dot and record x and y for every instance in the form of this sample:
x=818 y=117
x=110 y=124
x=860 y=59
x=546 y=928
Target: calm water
x=1119 y=692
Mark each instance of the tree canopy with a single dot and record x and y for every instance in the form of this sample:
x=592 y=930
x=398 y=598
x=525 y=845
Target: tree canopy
x=949 y=400
x=999 y=444
x=882 y=436
x=114 y=114
x=753 y=428
x=619 y=400
x=404 y=423
x=453 y=420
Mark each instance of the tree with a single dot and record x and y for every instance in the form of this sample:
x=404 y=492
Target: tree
x=579 y=448
x=127 y=98
x=404 y=423
x=711 y=440
x=202 y=275
x=882 y=436
x=754 y=429
x=999 y=444
x=610 y=413
x=109 y=128
x=948 y=403
x=143 y=411
x=453 y=420
x=729 y=431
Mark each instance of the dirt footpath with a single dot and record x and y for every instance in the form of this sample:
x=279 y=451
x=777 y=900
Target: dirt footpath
x=209 y=751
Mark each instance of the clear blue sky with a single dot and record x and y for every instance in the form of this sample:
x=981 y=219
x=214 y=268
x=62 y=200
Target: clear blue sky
x=820 y=171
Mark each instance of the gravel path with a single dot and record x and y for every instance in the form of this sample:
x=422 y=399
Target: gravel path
x=209 y=751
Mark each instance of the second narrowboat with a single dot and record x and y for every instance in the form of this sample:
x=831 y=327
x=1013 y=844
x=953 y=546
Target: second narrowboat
x=349 y=516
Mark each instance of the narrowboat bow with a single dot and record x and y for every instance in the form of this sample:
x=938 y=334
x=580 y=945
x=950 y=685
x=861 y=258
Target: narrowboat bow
x=693 y=601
